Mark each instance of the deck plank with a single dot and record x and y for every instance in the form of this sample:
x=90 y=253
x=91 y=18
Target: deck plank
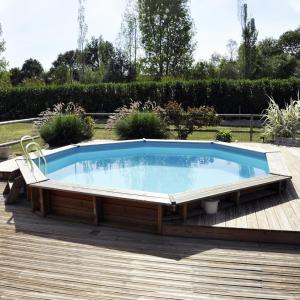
x=45 y=258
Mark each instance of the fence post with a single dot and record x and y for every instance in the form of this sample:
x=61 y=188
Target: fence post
x=251 y=128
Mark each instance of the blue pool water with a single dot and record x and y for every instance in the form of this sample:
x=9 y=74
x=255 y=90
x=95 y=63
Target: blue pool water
x=155 y=166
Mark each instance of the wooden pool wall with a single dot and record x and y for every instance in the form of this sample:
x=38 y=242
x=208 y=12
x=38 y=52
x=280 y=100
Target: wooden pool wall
x=146 y=216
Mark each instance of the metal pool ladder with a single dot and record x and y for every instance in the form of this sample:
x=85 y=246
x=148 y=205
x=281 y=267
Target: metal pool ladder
x=35 y=146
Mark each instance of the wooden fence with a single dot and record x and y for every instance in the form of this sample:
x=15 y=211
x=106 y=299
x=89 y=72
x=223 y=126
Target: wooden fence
x=251 y=121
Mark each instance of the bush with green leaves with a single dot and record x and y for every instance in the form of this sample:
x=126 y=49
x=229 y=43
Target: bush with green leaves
x=224 y=136
x=137 y=125
x=226 y=96
x=283 y=122
x=134 y=106
x=185 y=121
x=65 y=124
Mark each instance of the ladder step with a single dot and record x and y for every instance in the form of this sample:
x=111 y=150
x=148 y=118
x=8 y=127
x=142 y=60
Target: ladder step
x=13 y=190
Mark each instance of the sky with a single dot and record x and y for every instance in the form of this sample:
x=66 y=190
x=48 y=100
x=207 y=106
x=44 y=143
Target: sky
x=42 y=29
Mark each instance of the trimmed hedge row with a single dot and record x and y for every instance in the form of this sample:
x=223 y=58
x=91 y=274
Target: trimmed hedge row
x=227 y=96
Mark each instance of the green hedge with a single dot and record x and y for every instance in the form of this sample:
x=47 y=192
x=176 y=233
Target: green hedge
x=225 y=95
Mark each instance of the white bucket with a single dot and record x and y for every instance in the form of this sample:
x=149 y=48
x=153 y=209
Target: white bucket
x=211 y=206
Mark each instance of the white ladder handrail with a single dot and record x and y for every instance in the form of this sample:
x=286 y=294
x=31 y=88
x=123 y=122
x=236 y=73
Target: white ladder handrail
x=40 y=155
x=37 y=148
x=23 y=139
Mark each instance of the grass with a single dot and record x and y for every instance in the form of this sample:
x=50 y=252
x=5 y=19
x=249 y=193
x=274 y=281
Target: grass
x=13 y=132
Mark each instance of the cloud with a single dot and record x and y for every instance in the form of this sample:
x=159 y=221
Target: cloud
x=295 y=5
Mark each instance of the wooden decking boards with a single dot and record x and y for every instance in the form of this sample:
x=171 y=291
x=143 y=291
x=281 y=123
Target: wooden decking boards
x=51 y=259
x=45 y=258
x=270 y=218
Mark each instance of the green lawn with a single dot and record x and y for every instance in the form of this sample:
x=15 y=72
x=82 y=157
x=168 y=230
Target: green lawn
x=13 y=132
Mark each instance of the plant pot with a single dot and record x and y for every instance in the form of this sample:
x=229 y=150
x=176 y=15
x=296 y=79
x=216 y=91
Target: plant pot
x=211 y=206
x=4 y=152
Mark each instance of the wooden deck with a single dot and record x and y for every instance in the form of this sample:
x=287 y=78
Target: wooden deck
x=271 y=216
x=44 y=258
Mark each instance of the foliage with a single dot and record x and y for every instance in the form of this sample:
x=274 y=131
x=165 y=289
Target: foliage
x=166 y=35
x=180 y=119
x=143 y=124
x=226 y=96
x=5 y=79
x=59 y=75
x=98 y=53
x=82 y=32
x=290 y=42
x=31 y=68
x=203 y=116
x=134 y=106
x=32 y=82
x=64 y=129
x=119 y=68
x=66 y=63
x=248 y=49
x=58 y=109
x=129 y=35
x=282 y=122
x=31 y=71
x=186 y=121
x=65 y=124
x=3 y=62
x=224 y=136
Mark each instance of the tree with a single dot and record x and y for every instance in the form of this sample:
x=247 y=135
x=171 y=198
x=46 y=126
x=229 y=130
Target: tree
x=98 y=53
x=59 y=75
x=166 y=35
x=118 y=69
x=248 y=49
x=31 y=69
x=3 y=62
x=82 y=33
x=15 y=76
x=269 y=47
x=273 y=62
x=228 y=69
x=129 y=34
x=68 y=60
x=290 y=42
x=232 y=49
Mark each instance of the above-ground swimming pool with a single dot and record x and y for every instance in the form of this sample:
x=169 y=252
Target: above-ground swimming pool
x=158 y=167
x=140 y=183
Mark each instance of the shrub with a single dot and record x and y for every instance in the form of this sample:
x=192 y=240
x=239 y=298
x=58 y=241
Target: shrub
x=186 y=121
x=134 y=106
x=224 y=136
x=226 y=96
x=65 y=124
x=282 y=122
x=137 y=125
x=182 y=121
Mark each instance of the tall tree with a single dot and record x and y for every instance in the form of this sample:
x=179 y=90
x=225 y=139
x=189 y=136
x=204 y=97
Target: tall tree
x=98 y=52
x=232 y=49
x=3 y=62
x=118 y=69
x=4 y=75
x=129 y=34
x=248 y=49
x=81 y=33
x=166 y=34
